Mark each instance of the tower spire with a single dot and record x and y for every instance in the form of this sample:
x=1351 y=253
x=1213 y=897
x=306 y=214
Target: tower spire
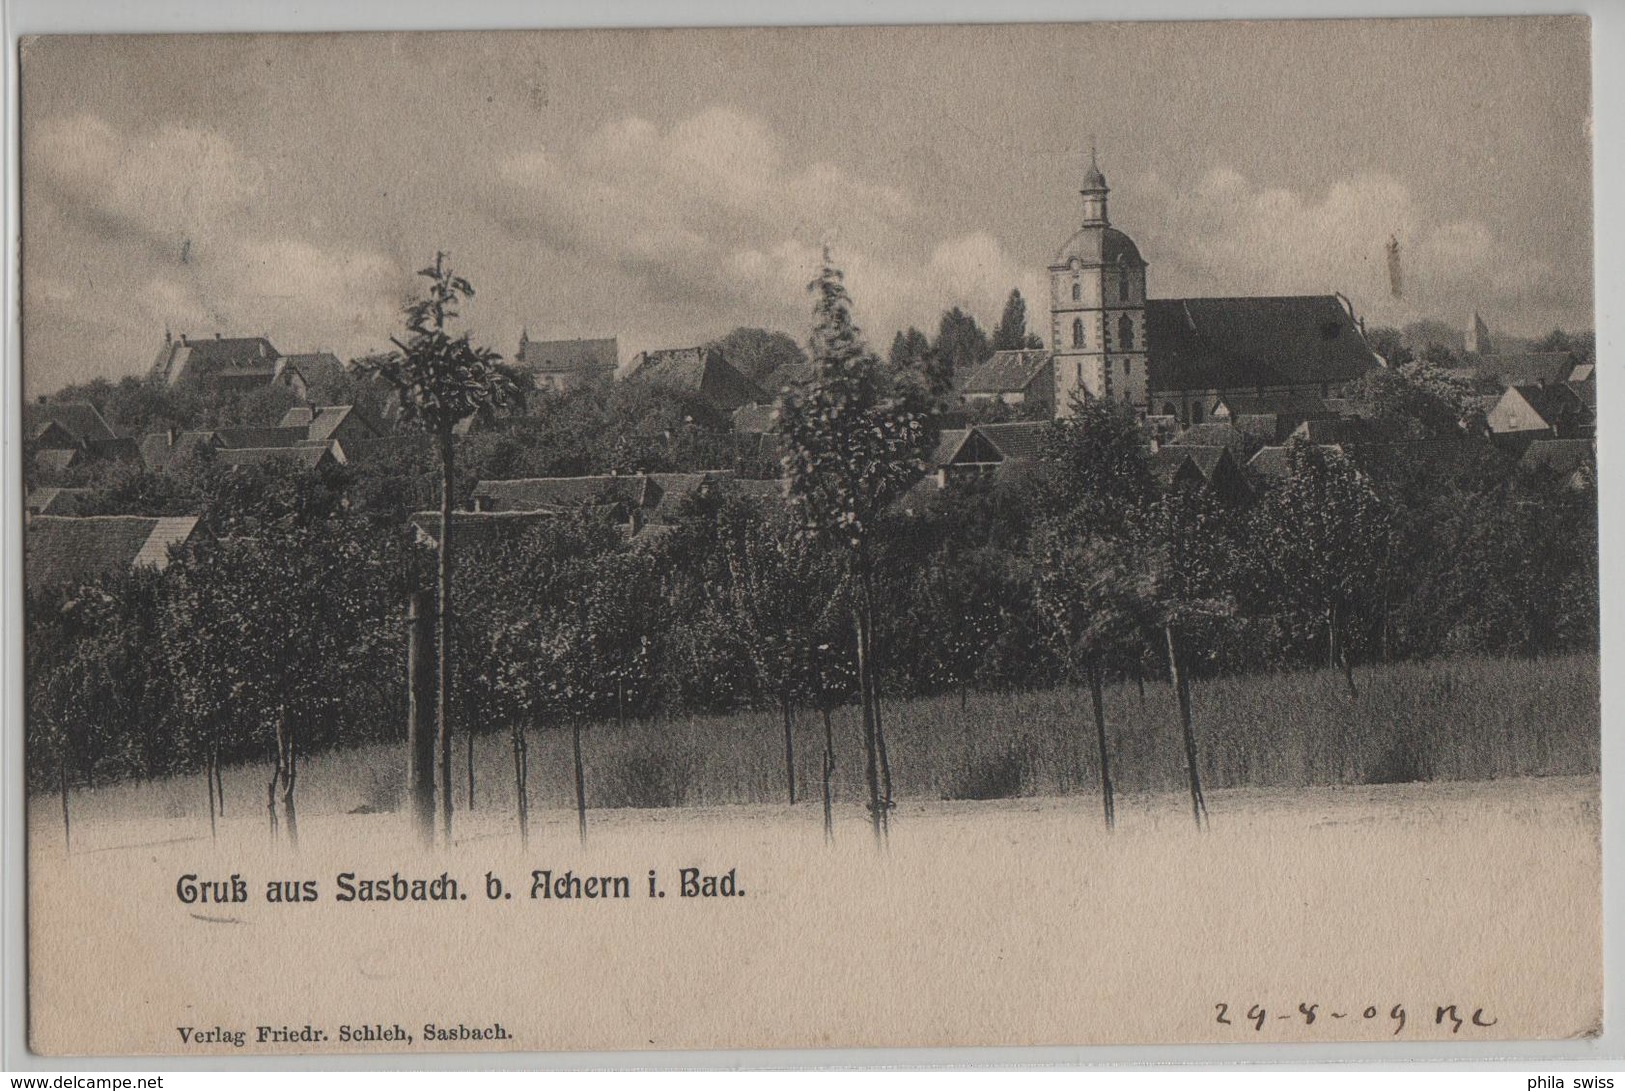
x=1094 y=191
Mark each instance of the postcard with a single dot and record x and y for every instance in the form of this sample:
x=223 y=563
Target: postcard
x=811 y=537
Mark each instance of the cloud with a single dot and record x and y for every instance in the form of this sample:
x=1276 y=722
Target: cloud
x=138 y=232
x=1226 y=235
x=716 y=223
x=167 y=186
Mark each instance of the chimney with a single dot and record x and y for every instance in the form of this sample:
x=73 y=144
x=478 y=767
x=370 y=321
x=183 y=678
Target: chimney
x=174 y=434
x=217 y=335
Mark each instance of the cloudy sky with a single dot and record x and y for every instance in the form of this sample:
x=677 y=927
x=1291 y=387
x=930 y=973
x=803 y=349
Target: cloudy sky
x=664 y=187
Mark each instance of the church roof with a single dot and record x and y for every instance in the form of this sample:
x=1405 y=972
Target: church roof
x=1252 y=342
x=1094 y=245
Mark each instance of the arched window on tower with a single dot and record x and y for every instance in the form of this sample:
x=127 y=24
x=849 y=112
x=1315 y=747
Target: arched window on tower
x=1125 y=333
x=1077 y=333
x=1122 y=284
x=1077 y=291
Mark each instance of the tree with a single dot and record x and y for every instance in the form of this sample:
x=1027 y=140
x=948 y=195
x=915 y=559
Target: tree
x=1324 y=536
x=1099 y=470
x=1011 y=332
x=442 y=379
x=1185 y=561
x=758 y=353
x=1389 y=343
x=960 y=345
x=780 y=593
x=850 y=453
x=1089 y=600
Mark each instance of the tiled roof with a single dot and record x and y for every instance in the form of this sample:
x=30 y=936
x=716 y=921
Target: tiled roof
x=58 y=501
x=949 y=441
x=320 y=422
x=1560 y=456
x=1214 y=434
x=1009 y=371
x=1018 y=439
x=245 y=436
x=594 y=355
x=697 y=371
x=658 y=496
x=63 y=550
x=1280 y=403
x=159 y=452
x=755 y=419
x=1555 y=402
x=557 y=494
x=306 y=457
x=168 y=532
x=56 y=459
x=1519 y=368
x=81 y=420
x=1276 y=462
x=479 y=528
x=1249 y=342
x=322 y=372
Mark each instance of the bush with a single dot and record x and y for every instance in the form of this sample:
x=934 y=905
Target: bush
x=1403 y=759
x=657 y=779
x=999 y=775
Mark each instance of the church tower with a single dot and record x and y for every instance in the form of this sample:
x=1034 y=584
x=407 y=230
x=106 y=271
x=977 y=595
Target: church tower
x=1097 y=308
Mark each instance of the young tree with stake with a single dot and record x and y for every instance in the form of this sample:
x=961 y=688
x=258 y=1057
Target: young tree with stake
x=442 y=379
x=851 y=452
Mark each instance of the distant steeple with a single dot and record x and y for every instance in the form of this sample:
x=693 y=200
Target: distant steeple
x=1477 y=339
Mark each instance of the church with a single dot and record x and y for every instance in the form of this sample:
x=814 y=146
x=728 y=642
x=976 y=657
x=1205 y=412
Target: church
x=1182 y=358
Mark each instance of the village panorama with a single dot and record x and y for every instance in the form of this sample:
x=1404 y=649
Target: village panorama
x=1118 y=546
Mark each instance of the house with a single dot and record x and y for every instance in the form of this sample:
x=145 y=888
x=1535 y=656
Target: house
x=1273 y=416
x=59 y=425
x=1573 y=461
x=1193 y=466
x=1023 y=378
x=167 y=450
x=755 y=419
x=63 y=435
x=235 y=436
x=1274 y=463
x=635 y=500
x=1553 y=409
x=323 y=423
x=61 y=550
x=478 y=529
x=57 y=501
x=220 y=363
x=985 y=450
x=1524 y=368
x=313 y=376
x=312 y=456
x=1217 y=434
x=568 y=365
x=701 y=371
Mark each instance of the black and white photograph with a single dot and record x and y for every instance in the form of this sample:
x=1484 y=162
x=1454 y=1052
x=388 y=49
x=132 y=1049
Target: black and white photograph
x=917 y=536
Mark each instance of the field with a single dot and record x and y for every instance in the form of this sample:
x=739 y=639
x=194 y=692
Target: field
x=993 y=921
x=1463 y=719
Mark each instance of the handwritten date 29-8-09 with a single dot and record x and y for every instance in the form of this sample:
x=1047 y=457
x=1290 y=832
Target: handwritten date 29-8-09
x=1452 y=1016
